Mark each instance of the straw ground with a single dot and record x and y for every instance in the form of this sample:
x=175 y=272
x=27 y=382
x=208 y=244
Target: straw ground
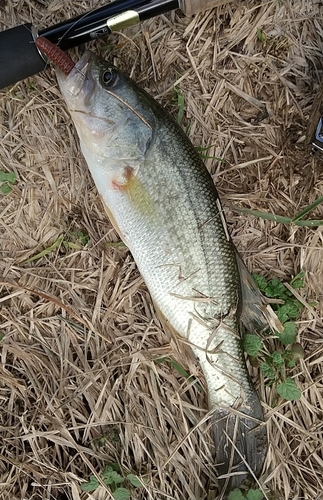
x=80 y=381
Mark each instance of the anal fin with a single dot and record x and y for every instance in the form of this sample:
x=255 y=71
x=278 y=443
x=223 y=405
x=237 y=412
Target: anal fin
x=257 y=315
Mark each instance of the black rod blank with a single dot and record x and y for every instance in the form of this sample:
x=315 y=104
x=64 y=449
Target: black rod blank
x=20 y=58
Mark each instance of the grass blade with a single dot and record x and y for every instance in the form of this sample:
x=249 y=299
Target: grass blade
x=308 y=223
x=180 y=104
x=281 y=219
x=180 y=370
x=46 y=250
x=265 y=215
x=308 y=209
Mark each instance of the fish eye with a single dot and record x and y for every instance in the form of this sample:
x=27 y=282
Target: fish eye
x=107 y=77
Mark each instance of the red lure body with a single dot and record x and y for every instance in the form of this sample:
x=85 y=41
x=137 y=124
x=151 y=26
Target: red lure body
x=56 y=55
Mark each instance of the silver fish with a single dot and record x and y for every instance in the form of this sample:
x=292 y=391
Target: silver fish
x=164 y=205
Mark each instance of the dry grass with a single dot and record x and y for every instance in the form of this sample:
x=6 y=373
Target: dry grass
x=79 y=329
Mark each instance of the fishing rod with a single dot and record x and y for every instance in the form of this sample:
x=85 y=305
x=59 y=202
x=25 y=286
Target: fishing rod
x=20 y=58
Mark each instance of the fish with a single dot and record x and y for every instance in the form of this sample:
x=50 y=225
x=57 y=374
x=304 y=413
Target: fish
x=162 y=201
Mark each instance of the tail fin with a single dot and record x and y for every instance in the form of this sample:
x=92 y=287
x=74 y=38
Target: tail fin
x=241 y=445
x=240 y=435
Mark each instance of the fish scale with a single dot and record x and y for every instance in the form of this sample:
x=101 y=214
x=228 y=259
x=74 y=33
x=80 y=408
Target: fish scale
x=163 y=203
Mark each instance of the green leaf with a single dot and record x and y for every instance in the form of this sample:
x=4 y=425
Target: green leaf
x=255 y=495
x=115 y=466
x=135 y=481
x=276 y=289
x=236 y=495
x=11 y=177
x=268 y=371
x=261 y=282
x=292 y=355
x=298 y=281
x=3 y=176
x=121 y=494
x=252 y=344
x=289 y=390
x=289 y=310
x=293 y=308
x=6 y=189
x=277 y=359
x=90 y=485
x=82 y=237
x=297 y=351
x=282 y=314
x=8 y=177
x=111 y=476
x=288 y=336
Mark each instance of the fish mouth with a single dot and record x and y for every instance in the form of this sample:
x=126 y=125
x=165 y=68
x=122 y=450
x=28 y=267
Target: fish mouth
x=79 y=81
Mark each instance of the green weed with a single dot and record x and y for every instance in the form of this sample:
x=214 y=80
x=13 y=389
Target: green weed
x=180 y=99
x=297 y=220
x=204 y=156
x=261 y=35
x=251 y=494
x=180 y=370
x=7 y=180
x=113 y=477
x=75 y=240
x=274 y=365
x=180 y=104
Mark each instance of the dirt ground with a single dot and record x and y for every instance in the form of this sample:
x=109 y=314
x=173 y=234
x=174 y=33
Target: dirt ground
x=80 y=387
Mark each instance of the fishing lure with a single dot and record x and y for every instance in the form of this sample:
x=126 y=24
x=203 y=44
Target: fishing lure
x=55 y=54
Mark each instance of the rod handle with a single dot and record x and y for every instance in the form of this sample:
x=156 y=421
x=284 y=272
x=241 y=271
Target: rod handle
x=19 y=56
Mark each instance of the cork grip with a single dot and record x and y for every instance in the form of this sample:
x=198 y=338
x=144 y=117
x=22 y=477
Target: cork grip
x=190 y=7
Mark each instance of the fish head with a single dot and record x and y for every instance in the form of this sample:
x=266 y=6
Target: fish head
x=109 y=111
